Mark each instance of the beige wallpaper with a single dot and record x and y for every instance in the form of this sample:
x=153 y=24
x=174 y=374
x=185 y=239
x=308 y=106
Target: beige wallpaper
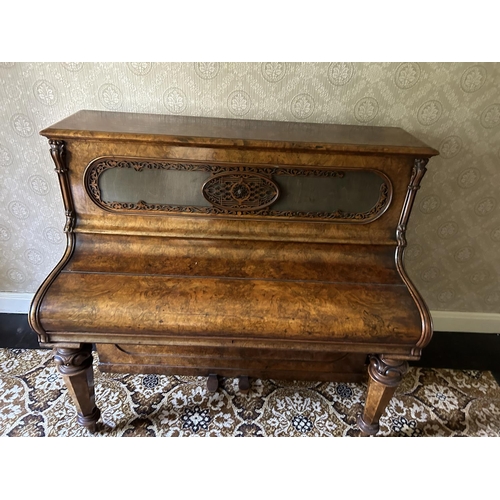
x=454 y=234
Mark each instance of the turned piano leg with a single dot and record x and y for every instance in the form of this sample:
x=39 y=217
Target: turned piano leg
x=75 y=366
x=385 y=374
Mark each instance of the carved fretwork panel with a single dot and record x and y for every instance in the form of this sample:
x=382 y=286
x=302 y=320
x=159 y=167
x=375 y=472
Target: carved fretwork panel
x=240 y=191
x=296 y=193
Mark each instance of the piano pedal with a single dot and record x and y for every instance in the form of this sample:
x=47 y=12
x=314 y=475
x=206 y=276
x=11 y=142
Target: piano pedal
x=243 y=384
x=212 y=382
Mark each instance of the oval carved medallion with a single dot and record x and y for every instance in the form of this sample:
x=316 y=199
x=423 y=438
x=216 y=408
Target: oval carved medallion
x=240 y=191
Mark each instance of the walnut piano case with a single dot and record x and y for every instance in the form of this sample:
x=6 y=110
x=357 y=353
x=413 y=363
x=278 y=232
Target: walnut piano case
x=238 y=248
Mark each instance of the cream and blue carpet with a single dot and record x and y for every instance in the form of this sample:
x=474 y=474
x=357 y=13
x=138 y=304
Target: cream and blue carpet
x=429 y=402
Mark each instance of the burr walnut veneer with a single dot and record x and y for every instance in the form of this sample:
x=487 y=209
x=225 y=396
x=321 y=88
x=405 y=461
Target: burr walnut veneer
x=205 y=246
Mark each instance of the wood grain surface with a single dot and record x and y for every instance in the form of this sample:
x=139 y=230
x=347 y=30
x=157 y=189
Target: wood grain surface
x=238 y=308
x=228 y=292
x=224 y=132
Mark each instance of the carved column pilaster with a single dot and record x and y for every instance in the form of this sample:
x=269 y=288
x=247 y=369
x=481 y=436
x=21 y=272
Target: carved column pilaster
x=58 y=154
x=75 y=366
x=419 y=170
x=385 y=374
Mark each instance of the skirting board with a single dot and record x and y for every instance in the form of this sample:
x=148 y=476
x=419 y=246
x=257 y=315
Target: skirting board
x=466 y=322
x=15 y=303
x=444 y=321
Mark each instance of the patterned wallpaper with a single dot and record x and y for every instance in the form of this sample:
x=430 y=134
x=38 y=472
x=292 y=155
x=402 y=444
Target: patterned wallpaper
x=453 y=253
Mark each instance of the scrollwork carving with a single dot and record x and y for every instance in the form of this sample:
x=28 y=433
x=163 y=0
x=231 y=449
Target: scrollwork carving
x=70 y=221
x=233 y=207
x=72 y=361
x=387 y=371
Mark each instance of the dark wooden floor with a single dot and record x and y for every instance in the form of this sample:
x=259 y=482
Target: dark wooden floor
x=461 y=351
x=16 y=333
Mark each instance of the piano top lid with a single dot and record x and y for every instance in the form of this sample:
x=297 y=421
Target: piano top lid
x=226 y=132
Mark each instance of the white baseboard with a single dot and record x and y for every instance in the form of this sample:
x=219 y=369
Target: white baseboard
x=15 y=303
x=468 y=322
x=444 y=321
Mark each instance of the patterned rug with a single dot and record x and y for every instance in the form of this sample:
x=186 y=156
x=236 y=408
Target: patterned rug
x=429 y=402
